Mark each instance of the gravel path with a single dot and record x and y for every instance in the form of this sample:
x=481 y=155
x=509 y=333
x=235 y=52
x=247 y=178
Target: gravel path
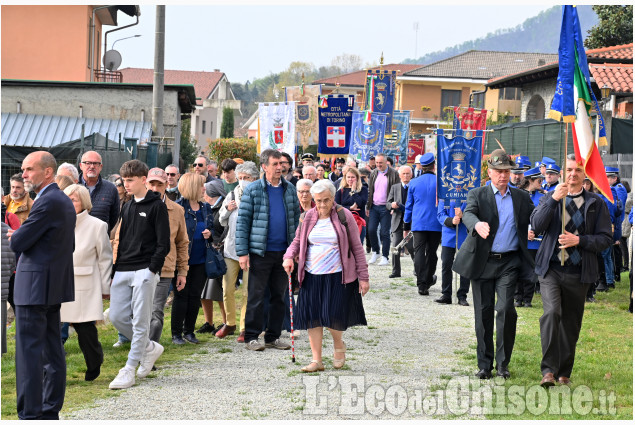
x=404 y=354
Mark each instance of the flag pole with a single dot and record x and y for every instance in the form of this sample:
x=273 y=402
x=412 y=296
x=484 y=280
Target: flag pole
x=564 y=200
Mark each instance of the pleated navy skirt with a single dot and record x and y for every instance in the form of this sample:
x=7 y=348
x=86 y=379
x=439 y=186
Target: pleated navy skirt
x=323 y=301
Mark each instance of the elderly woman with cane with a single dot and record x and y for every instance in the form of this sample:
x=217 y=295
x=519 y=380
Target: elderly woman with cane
x=330 y=260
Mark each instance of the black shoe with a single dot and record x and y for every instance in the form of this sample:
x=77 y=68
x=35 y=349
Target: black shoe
x=443 y=300
x=464 y=303
x=393 y=275
x=503 y=371
x=617 y=277
x=91 y=375
x=178 y=340
x=423 y=292
x=528 y=304
x=518 y=303
x=590 y=299
x=483 y=374
x=611 y=285
x=191 y=338
x=602 y=287
x=207 y=328
x=434 y=280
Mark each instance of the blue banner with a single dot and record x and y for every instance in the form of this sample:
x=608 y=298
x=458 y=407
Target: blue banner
x=367 y=139
x=383 y=92
x=335 y=118
x=458 y=165
x=396 y=146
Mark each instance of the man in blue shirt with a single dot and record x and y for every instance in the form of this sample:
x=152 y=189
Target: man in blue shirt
x=497 y=221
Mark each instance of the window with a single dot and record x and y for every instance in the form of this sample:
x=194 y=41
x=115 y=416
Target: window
x=450 y=98
x=203 y=128
x=509 y=93
x=478 y=100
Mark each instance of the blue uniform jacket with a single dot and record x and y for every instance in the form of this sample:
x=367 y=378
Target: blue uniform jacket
x=421 y=208
x=445 y=216
x=535 y=198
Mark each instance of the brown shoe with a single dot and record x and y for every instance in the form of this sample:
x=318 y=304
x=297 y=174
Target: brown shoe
x=225 y=330
x=548 y=380
x=563 y=380
x=314 y=366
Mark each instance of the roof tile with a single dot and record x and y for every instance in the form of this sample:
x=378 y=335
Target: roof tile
x=623 y=51
x=618 y=76
x=358 y=78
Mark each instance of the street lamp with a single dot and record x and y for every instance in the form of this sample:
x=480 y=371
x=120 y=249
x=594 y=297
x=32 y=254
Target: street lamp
x=605 y=91
x=125 y=38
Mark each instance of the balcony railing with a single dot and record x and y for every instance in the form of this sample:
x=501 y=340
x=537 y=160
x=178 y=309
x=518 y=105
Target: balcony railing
x=105 y=76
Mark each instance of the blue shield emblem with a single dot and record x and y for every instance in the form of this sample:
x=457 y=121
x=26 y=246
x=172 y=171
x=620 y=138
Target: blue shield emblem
x=304 y=112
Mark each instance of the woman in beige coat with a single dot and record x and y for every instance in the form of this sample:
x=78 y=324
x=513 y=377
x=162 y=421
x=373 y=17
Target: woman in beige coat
x=92 y=260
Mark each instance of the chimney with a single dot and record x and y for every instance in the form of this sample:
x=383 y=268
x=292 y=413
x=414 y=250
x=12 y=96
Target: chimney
x=541 y=62
x=217 y=70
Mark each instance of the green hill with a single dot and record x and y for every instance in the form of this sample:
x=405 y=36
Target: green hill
x=538 y=34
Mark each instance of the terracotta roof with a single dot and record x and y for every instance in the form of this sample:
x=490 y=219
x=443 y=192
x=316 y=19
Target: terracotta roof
x=623 y=51
x=618 y=76
x=484 y=65
x=358 y=78
x=203 y=82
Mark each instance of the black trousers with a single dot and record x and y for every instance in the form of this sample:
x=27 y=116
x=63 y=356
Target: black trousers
x=40 y=366
x=617 y=261
x=187 y=301
x=425 y=248
x=88 y=340
x=447 y=259
x=494 y=291
x=266 y=272
x=563 y=297
x=624 y=248
x=525 y=287
x=395 y=238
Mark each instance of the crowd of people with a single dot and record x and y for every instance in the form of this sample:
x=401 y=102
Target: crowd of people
x=143 y=239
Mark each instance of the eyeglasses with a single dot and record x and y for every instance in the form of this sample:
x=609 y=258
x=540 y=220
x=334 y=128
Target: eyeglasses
x=198 y=164
x=91 y=164
x=171 y=174
x=119 y=184
x=304 y=192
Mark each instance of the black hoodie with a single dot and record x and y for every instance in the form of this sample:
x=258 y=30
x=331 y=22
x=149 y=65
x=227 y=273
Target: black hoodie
x=144 y=237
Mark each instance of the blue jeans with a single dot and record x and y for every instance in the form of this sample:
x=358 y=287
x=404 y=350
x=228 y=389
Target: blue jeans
x=363 y=235
x=608 y=265
x=379 y=214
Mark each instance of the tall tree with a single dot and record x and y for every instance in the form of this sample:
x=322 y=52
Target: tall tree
x=615 y=27
x=188 y=149
x=347 y=62
x=227 y=126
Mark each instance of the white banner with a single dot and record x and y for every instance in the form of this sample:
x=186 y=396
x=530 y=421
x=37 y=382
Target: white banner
x=277 y=126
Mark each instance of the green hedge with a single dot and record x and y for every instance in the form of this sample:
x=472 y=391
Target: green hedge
x=221 y=149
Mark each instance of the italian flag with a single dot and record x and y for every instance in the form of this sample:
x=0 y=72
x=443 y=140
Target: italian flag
x=586 y=151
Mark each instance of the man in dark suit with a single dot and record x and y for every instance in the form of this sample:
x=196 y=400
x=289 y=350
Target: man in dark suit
x=395 y=203
x=497 y=221
x=44 y=279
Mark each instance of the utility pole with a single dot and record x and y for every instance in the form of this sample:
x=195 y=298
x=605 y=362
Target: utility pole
x=157 y=85
x=415 y=26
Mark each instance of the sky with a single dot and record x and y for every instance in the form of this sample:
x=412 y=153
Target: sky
x=248 y=40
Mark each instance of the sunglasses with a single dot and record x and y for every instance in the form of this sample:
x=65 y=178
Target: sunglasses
x=198 y=164
x=171 y=174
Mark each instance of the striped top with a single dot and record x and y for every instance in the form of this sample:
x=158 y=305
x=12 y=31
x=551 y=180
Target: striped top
x=323 y=253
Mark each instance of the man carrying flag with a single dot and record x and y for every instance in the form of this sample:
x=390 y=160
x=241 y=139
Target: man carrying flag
x=567 y=260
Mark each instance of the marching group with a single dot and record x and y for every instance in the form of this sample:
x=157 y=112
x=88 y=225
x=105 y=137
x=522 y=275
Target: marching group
x=144 y=237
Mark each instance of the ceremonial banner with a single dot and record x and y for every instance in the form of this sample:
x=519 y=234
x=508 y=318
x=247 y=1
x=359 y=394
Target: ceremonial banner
x=472 y=119
x=574 y=100
x=367 y=139
x=396 y=146
x=415 y=147
x=380 y=93
x=306 y=116
x=458 y=165
x=276 y=126
x=335 y=118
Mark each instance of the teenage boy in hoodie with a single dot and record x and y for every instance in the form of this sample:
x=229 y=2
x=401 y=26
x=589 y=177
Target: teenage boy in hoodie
x=144 y=242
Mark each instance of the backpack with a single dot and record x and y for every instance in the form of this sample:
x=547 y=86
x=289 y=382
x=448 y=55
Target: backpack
x=341 y=215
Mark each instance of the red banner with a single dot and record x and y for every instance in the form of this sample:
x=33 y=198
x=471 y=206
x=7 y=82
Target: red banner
x=415 y=147
x=472 y=119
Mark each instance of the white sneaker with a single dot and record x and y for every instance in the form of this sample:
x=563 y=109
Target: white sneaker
x=148 y=359
x=383 y=262
x=124 y=379
x=374 y=257
x=117 y=344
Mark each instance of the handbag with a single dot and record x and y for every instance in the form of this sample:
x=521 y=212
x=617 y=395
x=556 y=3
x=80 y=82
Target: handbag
x=214 y=262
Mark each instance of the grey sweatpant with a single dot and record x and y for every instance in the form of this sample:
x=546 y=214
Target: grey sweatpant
x=131 y=296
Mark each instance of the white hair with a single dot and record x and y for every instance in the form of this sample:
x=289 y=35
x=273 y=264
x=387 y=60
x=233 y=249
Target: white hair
x=304 y=182
x=308 y=169
x=71 y=169
x=322 y=185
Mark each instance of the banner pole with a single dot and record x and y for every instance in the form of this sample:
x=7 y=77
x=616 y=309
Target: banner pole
x=564 y=200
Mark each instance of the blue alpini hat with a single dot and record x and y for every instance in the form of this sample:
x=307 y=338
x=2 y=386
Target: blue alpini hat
x=427 y=159
x=523 y=161
x=546 y=161
x=612 y=171
x=552 y=168
x=533 y=173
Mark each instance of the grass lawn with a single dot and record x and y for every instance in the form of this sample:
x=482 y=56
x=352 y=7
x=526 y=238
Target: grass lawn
x=603 y=363
x=80 y=393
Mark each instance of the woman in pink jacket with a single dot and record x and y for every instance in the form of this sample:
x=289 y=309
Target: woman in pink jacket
x=330 y=261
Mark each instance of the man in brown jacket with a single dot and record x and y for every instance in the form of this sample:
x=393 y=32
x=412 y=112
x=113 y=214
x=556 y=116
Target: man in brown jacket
x=18 y=201
x=177 y=258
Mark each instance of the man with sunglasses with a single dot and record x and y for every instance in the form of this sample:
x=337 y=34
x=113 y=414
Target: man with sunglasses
x=200 y=167
x=103 y=194
x=172 y=188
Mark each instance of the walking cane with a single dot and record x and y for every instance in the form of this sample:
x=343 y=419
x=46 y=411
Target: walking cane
x=291 y=316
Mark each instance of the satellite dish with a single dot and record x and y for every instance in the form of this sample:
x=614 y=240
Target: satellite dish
x=112 y=60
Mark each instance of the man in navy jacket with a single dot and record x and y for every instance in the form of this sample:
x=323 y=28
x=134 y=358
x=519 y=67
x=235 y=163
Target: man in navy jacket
x=44 y=279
